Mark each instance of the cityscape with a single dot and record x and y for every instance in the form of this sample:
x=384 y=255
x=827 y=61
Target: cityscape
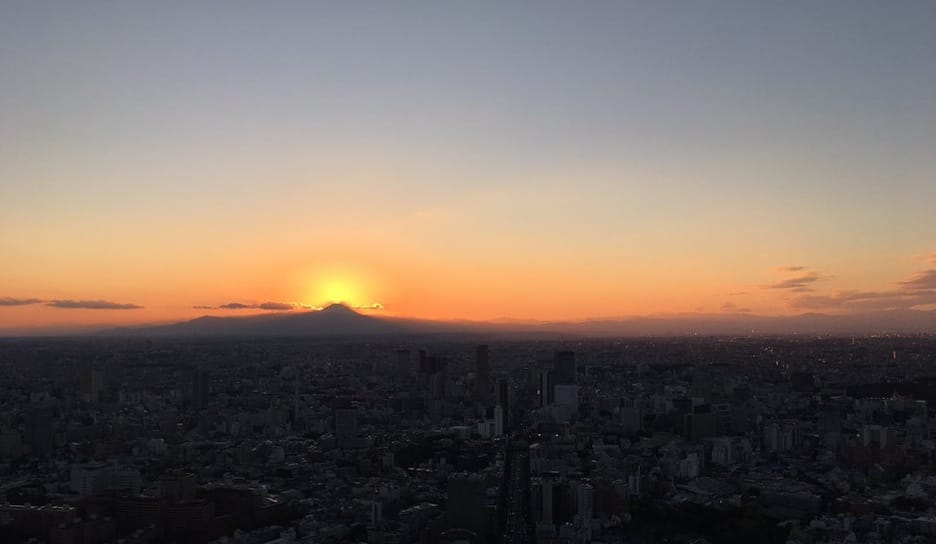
x=441 y=439
x=467 y=272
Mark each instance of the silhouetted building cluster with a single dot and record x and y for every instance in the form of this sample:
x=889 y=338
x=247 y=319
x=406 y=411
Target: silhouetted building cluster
x=390 y=440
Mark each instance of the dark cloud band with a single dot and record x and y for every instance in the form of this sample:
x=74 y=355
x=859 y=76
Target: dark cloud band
x=11 y=301
x=91 y=305
x=273 y=306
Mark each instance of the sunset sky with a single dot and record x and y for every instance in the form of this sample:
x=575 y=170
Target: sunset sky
x=478 y=160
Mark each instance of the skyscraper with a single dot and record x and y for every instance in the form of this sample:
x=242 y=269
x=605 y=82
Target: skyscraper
x=565 y=367
x=40 y=431
x=404 y=362
x=92 y=382
x=547 y=389
x=503 y=401
x=482 y=372
x=200 y=388
x=346 y=427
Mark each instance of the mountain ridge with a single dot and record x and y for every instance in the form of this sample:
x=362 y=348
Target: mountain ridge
x=340 y=320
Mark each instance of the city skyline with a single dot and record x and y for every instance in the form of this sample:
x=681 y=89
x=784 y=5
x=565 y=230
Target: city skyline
x=532 y=162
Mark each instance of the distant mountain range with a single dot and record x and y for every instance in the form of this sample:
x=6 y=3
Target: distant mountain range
x=340 y=320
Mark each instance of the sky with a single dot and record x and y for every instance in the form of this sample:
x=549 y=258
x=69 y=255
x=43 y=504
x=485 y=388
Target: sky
x=478 y=160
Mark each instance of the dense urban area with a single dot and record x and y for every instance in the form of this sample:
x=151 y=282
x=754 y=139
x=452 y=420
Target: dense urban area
x=393 y=440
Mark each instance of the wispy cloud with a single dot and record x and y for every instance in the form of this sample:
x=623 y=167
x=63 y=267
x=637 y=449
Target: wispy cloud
x=11 y=301
x=800 y=282
x=279 y=306
x=272 y=306
x=731 y=307
x=91 y=305
x=865 y=300
x=924 y=279
x=791 y=268
x=373 y=306
x=234 y=306
x=917 y=290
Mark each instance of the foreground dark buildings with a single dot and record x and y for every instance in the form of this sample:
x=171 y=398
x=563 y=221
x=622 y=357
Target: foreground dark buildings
x=792 y=439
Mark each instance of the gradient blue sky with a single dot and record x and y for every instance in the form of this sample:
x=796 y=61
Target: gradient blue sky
x=471 y=159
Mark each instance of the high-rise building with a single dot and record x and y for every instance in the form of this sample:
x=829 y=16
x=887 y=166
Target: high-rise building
x=566 y=395
x=404 y=362
x=702 y=383
x=92 y=382
x=547 y=388
x=544 y=496
x=437 y=369
x=200 y=388
x=40 y=431
x=482 y=372
x=423 y=361
x=565 y=367
x=503 y=400
x=630 y=415
x=346 y=427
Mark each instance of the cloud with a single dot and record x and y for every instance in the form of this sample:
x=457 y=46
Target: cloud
x=918 y=290
x=731 y=307
x=274 y=306
x=800 y=282
x=310 y=307
x=791 y=269
x=866 y=300
x=10 y=301
x=924 y=279
x=281 y=306
x=91 y=305
x=374 y=306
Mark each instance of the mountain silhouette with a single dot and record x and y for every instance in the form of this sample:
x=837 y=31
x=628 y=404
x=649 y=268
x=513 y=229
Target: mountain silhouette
x=334 y=320
x=338 y=320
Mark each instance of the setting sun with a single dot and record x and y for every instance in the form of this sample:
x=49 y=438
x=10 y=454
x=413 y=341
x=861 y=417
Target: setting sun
x=338 y=290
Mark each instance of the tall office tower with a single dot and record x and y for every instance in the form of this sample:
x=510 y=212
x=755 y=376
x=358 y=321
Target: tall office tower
x=423 y=361
x=702 y=383
x=40 y=430
x=422 y=370
x=565 y=367
x=296 y=406
x=437 y=370
x=547 y=388
x=542 y=492
x=346 y=427
x=499 y=418
x=91 y=382
x=503 y=400
x=404 y=364
x=482 y=372
x=565 y=394
x=200 y=388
